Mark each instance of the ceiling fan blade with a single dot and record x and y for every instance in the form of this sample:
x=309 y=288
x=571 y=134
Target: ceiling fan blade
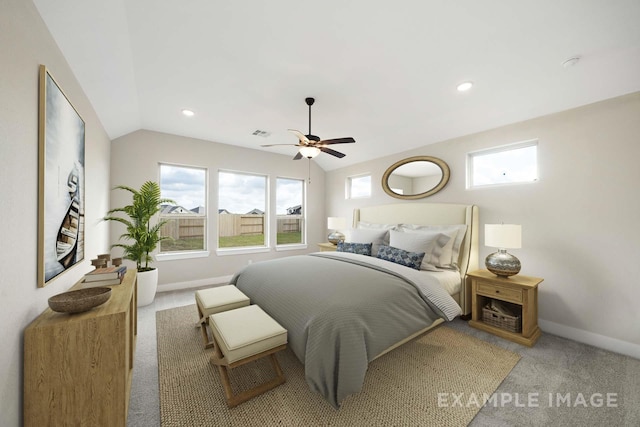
x=347 y=140
x=302 y=137
x=275 y=145
x=298 y=156
x=332 y=152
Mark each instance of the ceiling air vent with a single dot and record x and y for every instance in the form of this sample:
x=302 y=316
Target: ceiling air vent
x=262 y=133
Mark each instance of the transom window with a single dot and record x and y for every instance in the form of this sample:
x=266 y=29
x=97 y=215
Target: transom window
x=358 y=186
x=510 y=164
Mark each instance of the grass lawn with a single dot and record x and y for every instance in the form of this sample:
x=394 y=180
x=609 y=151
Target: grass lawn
x=177 y=245
x=258 y=240
x=197 y=243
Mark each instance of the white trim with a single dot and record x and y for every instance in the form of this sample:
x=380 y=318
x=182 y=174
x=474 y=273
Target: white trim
x=607 y=343
x=291 y=247
x=170 y=256
x=242 y=250
x=222 y=280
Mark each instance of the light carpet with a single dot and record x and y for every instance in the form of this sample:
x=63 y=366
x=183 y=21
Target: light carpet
x=412 y=385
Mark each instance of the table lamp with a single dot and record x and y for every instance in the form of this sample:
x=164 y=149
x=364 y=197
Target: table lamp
x=503 y=237
x=335 y=224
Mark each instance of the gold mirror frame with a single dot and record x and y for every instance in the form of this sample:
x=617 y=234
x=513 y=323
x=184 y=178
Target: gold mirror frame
x=438 y=162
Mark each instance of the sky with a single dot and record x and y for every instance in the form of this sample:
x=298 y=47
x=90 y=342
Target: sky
x=237 y=192
x=185 y=186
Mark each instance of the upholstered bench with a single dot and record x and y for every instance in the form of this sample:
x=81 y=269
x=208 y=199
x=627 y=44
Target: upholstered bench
x=216 y=300
x=242 y=336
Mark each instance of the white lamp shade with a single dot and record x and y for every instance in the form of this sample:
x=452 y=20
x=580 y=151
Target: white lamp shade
x=505 y=236
x=309 y=152
x=336 y=223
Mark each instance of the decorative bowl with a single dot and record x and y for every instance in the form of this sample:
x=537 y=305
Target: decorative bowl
x=80 y=300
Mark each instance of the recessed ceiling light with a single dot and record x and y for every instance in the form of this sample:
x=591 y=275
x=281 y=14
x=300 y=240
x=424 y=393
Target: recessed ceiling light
x=463 y=87
x=188 y=113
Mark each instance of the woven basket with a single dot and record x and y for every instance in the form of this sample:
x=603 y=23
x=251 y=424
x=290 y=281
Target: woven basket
x=502 y=321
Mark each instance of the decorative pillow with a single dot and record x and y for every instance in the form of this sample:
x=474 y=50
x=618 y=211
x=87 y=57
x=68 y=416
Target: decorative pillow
x=355 y=248
x=375 y=236
x=400 y=256
x=429 y=243
x=448 y=256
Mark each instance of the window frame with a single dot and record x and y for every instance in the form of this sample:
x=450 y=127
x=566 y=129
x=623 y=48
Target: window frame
x=187 y=254
x=495 y=150
x=237 y=250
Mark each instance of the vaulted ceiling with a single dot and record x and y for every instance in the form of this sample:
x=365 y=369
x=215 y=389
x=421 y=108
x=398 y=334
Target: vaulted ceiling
x=383 y=72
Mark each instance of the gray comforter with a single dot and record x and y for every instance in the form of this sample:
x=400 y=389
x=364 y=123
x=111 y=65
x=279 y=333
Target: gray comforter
x=341 y=310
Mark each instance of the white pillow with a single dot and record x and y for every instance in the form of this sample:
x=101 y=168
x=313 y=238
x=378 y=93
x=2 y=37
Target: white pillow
x=362 y=235
x=429 y=243
x=450 y=253
x=374 y=226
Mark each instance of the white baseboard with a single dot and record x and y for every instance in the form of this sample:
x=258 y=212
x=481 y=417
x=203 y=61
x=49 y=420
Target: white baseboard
x=194 y=284
x=586 y=337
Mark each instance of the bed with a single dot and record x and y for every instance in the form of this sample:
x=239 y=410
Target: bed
x=342 y=310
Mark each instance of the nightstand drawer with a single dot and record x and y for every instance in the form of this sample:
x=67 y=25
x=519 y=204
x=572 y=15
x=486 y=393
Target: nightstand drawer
x=500 y=292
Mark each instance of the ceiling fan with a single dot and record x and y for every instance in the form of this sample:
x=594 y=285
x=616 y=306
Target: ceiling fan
x=311 y=145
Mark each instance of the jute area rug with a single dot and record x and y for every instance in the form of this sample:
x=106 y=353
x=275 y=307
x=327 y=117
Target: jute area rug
x=401 y=388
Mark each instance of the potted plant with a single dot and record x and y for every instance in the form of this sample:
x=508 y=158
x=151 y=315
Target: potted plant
x=143 y=236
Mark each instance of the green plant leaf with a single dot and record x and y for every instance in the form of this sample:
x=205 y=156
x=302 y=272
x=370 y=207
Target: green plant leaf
x=137 y=218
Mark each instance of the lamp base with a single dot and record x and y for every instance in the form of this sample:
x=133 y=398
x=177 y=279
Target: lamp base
x=336 y=237
x=502 y=264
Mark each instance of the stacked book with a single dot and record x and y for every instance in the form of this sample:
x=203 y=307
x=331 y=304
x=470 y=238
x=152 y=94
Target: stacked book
x=104 y=276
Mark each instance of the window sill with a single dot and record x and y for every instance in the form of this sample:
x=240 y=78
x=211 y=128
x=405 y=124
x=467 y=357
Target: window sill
x=241 y=251
x=181 y=255
x=292 y=247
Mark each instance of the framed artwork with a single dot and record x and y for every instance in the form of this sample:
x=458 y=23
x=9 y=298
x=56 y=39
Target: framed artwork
x=61 y=139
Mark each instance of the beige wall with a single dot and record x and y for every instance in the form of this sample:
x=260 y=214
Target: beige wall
x=25 y=43
x=580 y=221
x=135 y=158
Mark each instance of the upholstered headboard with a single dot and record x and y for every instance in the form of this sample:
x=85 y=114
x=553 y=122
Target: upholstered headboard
x=433 y=214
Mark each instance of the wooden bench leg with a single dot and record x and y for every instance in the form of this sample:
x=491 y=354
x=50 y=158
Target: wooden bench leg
x=223 y=367
x=202 y=324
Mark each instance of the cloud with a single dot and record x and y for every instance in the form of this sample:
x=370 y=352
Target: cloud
x=185 y=185
x=237 y=192
x=289 y=193
x=240 y=193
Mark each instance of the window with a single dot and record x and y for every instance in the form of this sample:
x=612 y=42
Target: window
x=510 y=164
x=358 y=186
x=187 y=219
x=290 y=211
x=242 y=206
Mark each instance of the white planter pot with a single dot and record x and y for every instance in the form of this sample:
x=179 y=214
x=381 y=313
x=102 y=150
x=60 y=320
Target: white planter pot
x=147 y=286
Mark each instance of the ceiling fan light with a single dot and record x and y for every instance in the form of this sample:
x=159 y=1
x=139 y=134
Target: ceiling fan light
x=309 y=152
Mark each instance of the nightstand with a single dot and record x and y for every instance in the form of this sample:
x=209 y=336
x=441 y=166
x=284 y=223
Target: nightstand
x=327 y=247
x=522 y=291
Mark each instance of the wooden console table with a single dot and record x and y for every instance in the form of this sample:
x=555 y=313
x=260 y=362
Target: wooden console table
x=78 y=367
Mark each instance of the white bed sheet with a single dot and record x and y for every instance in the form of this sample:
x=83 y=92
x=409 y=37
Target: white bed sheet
x=450 y=280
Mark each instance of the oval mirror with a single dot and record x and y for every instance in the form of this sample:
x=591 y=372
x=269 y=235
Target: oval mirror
x=415 y=177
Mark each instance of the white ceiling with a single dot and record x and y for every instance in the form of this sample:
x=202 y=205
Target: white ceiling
x=383 y=72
